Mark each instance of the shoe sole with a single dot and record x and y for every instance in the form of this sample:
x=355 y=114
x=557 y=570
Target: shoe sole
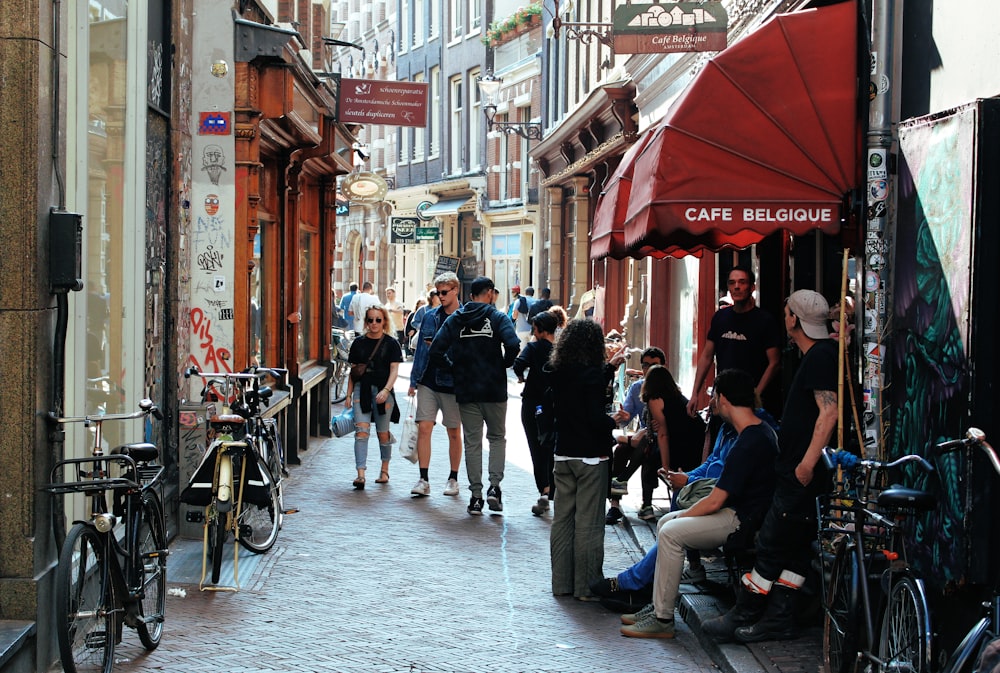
x=494 y=504
x=618 y=491
x=637 y=634
x=450 y=493
x=476 y=512
x=419 y=495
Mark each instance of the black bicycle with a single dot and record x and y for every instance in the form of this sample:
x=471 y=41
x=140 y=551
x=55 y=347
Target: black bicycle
x=110 y=575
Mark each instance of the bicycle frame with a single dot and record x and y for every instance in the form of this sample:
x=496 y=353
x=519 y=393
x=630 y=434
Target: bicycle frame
x=223 y=482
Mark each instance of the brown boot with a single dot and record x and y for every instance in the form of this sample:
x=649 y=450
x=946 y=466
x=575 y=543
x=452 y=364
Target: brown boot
x=748 y=609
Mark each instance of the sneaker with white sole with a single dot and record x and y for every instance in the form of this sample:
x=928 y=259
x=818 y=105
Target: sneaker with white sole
x=475 y=507
x=494 y=499
x=451 y=488
x=619 y=487
x=422 y=488
x=540 y=507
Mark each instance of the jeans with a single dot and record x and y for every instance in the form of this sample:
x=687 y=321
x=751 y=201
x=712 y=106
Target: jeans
x=361 y=433
x=494 y=415
x=541 y=458
x=576 y=539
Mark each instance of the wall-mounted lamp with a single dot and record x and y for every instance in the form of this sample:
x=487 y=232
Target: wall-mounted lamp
x=489 y=86
x=585 y=32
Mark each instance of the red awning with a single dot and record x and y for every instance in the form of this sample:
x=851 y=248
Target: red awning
x=764 y=138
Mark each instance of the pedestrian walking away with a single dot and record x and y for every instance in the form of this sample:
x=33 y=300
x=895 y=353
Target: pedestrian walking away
x=370 y=393
x=532 y=359
x=434 y=387
x=478 y=343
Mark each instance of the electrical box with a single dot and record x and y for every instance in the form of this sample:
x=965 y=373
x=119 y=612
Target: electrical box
x=65 y=251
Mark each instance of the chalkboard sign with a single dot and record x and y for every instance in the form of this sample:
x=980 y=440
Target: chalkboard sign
x=446 y=264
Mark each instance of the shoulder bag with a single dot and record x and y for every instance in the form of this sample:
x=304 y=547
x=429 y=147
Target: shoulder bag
x=358 y=369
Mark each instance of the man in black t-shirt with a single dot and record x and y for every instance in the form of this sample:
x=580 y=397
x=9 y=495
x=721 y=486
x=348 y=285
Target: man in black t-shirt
x=738 y=500
x=765 y=607
x=742 y=336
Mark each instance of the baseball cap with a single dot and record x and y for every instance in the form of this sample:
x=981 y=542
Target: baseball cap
x=516 y=288
x=480 y=285
x=812 y=310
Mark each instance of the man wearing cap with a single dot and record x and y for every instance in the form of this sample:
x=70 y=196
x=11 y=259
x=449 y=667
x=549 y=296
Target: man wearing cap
x=765 y=607
x=478 y=343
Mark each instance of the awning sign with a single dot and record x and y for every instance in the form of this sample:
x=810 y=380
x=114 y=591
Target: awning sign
x=428 y=234
x=403 y=229
x=670 y=27
x=371 y=101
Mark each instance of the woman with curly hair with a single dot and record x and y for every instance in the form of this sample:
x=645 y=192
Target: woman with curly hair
x=579 y=377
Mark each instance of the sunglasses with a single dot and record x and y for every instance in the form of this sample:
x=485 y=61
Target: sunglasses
x=646 y=365
x=445 y=293
x=371 y=320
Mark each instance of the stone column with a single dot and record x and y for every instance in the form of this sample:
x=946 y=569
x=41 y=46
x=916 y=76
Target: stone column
x=579 y=234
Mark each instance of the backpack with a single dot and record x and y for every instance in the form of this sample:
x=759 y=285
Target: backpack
x=522 y=306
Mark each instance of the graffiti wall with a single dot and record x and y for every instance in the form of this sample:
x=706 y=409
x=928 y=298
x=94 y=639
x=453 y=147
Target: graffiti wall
x=211 y=247
x=930 y=348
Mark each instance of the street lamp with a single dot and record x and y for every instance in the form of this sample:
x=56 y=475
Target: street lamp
x=489 y=86
x=583 y=31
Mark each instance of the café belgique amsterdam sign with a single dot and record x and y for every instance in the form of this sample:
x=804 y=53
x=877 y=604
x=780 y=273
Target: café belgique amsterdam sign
x=364 y=187
x=670 y=27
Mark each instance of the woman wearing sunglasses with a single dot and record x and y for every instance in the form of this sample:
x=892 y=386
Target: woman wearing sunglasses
x=371 y=394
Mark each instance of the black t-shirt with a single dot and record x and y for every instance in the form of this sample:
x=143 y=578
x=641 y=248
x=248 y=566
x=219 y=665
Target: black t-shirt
x=685 y=435
x=817 y=371
x=377 y=373
x=748 y=473
x=742 y=339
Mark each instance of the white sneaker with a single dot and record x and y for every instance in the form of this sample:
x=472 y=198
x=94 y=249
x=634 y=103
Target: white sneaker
x=451 y=488
x=422 y=488
x=541 y=507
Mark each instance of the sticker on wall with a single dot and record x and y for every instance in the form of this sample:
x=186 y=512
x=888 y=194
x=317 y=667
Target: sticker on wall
x=871 y=281
x=876 y=165
x=213 y=162
x=219 y=285
x=213 y=123
x=212 y=204
x=878 y=190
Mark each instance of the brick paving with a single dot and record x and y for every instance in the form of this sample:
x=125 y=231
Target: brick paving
x=376 y=581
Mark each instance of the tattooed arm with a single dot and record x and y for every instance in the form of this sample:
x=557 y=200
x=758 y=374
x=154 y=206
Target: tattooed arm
x=826 y=400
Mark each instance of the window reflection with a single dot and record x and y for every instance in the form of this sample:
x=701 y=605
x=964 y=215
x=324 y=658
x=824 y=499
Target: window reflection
x=307 y=305
x=257 y=349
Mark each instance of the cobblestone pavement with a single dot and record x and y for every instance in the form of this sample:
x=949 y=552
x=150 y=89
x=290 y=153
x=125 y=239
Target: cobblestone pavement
x=375 y=580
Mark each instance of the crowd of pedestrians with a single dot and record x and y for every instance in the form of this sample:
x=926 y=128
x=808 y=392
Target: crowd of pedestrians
x=739 y=475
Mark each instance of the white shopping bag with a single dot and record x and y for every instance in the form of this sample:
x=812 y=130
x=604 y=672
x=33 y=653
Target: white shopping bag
x=408 y=444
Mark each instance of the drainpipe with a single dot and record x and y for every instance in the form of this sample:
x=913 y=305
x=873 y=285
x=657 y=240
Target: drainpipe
x=880 y=166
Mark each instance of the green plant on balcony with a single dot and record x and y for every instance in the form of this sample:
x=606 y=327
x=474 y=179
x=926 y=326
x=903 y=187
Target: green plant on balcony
x=502 y=30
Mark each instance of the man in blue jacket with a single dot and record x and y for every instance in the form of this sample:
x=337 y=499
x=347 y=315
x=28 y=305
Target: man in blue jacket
x=478 y=343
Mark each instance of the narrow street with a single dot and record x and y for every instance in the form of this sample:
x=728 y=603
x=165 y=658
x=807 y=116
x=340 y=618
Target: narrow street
x=375 y=580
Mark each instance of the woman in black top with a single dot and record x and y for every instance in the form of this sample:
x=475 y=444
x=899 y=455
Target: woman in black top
x=676 y=440
x=579 y=379
x=371 y=397
x=533 y=358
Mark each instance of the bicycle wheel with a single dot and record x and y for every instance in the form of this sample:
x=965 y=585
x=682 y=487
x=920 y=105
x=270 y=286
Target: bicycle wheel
x=270 y=445
x=85 y=603
x=217 y=527
x=338 y=385
x=841 y=618
x=259 y=523
x=151 y=541
x=905 y=645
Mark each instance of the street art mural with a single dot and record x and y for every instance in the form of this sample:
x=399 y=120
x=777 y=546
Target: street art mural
x=929 y=346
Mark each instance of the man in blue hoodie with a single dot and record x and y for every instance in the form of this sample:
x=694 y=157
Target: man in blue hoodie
x=478 y=343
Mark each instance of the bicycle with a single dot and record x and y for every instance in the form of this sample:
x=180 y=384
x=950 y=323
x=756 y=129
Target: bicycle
x=108 y=576
x=861 y=526
x=987 y=629
x=233 y=482
x=341 y=345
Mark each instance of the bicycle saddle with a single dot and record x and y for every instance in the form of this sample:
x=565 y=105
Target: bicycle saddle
x=142 y=452
x=908 y=498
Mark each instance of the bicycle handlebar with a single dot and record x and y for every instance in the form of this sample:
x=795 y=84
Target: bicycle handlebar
x=146 y=407
x=973 y=437
x=834 y=457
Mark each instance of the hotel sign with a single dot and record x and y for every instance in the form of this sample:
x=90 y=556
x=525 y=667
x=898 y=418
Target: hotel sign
x=670 y=27
x=372 y=101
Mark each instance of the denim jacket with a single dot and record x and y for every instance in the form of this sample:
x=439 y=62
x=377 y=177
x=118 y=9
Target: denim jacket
x=437 y=377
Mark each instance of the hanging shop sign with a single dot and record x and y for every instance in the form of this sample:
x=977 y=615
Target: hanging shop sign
x=403 y=229
x=670 y=27
x=370 y=101
x=364 y=187
x=445 y=263
x=428 y=234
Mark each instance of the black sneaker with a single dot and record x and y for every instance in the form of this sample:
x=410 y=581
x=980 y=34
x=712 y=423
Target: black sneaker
x=613 y=516
x=493 y=499
x=475 y=506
